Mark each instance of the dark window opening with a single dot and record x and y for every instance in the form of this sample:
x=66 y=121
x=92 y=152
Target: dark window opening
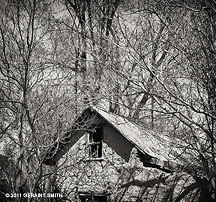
x=93 y=198
x=100 y=198
x=95 y=143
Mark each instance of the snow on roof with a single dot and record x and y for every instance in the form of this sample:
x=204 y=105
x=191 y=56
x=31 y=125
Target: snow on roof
x=154 y=144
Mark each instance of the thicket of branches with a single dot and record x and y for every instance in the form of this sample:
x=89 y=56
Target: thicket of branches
x=153 y=61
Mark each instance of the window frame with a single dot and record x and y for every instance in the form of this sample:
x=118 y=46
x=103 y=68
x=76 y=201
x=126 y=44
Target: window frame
x=92 y=143
x=85 y=197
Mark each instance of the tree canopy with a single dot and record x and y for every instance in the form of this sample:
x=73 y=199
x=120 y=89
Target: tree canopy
x=152 y=61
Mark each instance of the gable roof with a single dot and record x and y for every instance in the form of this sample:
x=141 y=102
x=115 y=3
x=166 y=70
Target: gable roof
x=147 y=141
x=160 y=148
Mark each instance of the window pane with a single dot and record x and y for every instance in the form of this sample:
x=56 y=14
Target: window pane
x=95 y=143
x=100 y=198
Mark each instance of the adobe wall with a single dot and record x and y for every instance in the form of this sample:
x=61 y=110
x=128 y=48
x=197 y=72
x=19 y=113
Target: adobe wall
x=116 y=174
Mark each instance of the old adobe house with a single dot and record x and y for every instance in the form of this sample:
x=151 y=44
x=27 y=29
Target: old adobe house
x=105 y=157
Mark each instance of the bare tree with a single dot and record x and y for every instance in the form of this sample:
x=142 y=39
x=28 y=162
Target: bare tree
x=28 y=93
x=184 y=82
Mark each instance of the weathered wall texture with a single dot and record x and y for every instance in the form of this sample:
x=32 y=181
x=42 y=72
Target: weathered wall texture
x=116 y=174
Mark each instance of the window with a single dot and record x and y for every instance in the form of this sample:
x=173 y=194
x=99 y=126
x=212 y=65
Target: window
x=89 y=198
x=95 y=143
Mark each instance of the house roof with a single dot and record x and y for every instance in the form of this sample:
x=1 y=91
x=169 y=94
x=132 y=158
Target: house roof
x=161 y=148
x=147 y=141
